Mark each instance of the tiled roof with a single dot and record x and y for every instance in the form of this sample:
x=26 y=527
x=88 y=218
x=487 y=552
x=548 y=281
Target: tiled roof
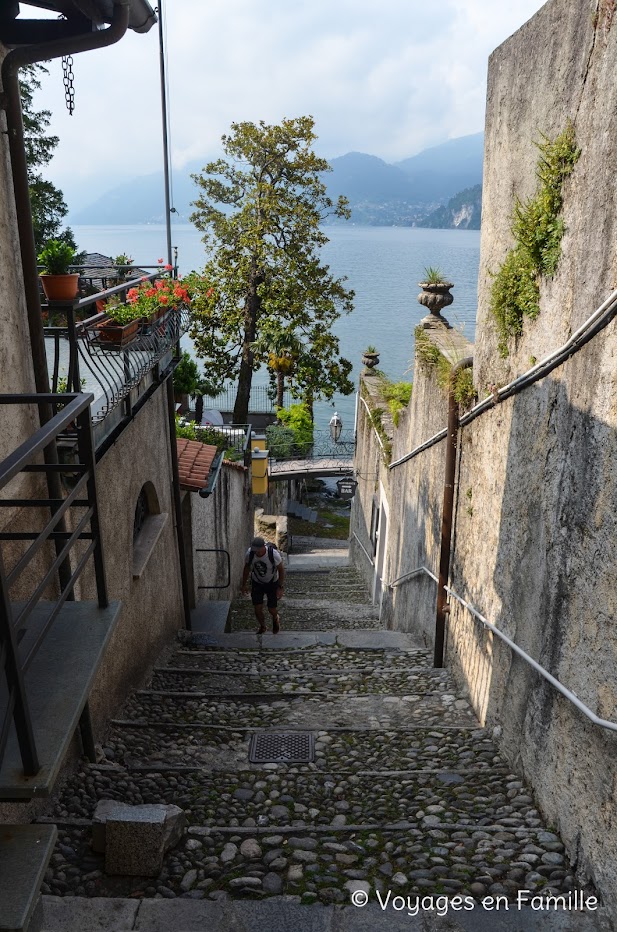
x=194 y=463
x=101 y=271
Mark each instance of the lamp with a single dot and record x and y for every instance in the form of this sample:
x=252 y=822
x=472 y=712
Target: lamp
x=336 y=426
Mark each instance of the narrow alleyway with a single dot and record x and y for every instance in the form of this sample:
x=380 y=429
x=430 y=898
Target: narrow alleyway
x=406 y=793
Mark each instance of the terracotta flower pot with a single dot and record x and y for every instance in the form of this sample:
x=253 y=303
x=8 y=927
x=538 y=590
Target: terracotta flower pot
x=60 y=287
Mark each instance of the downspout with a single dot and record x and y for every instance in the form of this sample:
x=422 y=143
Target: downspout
x=184 y=576
x=446 y=515
x=11 y=103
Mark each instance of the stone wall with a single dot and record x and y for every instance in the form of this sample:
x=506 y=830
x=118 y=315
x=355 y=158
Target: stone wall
x=223 y=521
x=535 y=527
x=152 y=607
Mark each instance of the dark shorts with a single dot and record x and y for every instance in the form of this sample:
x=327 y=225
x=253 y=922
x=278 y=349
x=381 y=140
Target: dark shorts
x=259 y=590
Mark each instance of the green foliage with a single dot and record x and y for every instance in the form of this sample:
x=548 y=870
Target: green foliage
x=370 y=349
x=191 y=431
x=264 y=288
x=56 y=257
x=280 y=441
x=396 y=394
x=186 y=375
x=46 y=201
x=538 y=229
x=122 y=314
x=293 y=435
x=297 y=418
x=433 y=276
x=462 y=387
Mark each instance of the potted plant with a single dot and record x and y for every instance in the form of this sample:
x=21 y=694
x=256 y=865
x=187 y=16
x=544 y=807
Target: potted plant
x=56 y=259
x=435 y=293
x=186 y=381
x=121 y=326
x=370 y=358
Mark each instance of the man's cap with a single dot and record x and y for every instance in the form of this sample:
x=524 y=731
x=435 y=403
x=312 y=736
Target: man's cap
x=257 y=544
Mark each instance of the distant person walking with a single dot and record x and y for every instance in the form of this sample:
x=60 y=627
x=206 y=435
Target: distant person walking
x=264 y=564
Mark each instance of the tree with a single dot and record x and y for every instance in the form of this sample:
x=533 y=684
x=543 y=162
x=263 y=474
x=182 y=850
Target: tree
x=46 y=200
x=264 y=288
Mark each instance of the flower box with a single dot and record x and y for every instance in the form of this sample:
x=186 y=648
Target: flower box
x=117 y=336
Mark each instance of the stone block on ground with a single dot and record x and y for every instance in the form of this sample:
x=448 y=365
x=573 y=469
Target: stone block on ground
x=135 y=838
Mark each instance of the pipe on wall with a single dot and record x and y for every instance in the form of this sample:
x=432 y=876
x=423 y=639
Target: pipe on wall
x=446 y=513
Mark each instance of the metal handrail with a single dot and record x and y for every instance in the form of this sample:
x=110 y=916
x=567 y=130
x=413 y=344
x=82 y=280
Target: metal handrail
x=370 y=414
x=14 y=660
x=416 y=572
x=367 y=554
x=567 y=693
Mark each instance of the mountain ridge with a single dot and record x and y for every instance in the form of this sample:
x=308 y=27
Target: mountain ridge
x=379 y=192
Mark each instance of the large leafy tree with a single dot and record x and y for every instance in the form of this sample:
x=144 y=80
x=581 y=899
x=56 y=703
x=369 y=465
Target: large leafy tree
x=46 y=200
x=264 y=289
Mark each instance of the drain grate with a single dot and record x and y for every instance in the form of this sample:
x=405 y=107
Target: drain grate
x=289 y=747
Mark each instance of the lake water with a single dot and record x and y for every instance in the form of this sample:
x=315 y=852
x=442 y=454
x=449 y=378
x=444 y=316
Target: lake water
x=382 y=265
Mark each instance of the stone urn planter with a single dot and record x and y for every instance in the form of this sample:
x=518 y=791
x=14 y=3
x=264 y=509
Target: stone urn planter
x=370 y=360
x=435 y=296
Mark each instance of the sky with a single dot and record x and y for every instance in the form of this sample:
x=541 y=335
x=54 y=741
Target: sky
x=389 y=78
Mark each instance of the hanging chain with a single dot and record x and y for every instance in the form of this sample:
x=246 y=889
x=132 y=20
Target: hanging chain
x=69 y=83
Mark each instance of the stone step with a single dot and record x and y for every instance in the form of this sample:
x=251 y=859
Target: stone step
x=369 y=640
x=72 y=914
x=308 y=614
x=25 y=851
x=426 y=749
x=315 y=659
x=344 y=681
x=425 y=800
x=327 y=863
x=310 y=712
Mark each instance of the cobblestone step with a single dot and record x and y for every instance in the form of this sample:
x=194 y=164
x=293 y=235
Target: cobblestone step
x=309 y=712
x=385 y=681
x=308 y=615
x=307 y=659
x=445 y=749
x=323 y=866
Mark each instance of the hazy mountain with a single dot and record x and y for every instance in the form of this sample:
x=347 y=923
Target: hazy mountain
x=442 y=171
x=378 y=193
x=462 y=212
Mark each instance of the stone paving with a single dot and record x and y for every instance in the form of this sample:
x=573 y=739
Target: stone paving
x=406 y=792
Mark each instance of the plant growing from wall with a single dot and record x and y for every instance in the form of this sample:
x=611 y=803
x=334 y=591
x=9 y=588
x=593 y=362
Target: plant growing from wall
x=538 y=228
x=376 y=418
x=396 y=394
x=428 y=353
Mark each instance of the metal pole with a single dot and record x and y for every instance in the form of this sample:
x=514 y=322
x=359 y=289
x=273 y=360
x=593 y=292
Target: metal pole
x=186 y=600
x=165 y=139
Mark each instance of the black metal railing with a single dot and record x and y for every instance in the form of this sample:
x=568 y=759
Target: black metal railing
x=80 y=359
x=63 y=551
x=285 y=449
x=262 y=400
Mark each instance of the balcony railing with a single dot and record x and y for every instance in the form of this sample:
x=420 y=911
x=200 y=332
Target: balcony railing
x=117 y=375
x=57 y=538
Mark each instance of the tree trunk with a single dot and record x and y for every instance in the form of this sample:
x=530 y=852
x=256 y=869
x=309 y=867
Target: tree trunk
x=199 y=408
x=245 y=375
x=280 y=389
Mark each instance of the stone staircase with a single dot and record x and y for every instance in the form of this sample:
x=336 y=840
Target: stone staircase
x=405 y=792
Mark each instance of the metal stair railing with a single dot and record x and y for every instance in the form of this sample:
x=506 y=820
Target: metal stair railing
x=567 y=693
x=15 y=658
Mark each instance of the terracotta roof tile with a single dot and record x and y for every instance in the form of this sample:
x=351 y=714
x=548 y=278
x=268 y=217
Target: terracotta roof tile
x=194 y=462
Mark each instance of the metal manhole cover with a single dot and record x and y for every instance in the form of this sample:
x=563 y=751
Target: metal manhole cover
x=291 y=747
